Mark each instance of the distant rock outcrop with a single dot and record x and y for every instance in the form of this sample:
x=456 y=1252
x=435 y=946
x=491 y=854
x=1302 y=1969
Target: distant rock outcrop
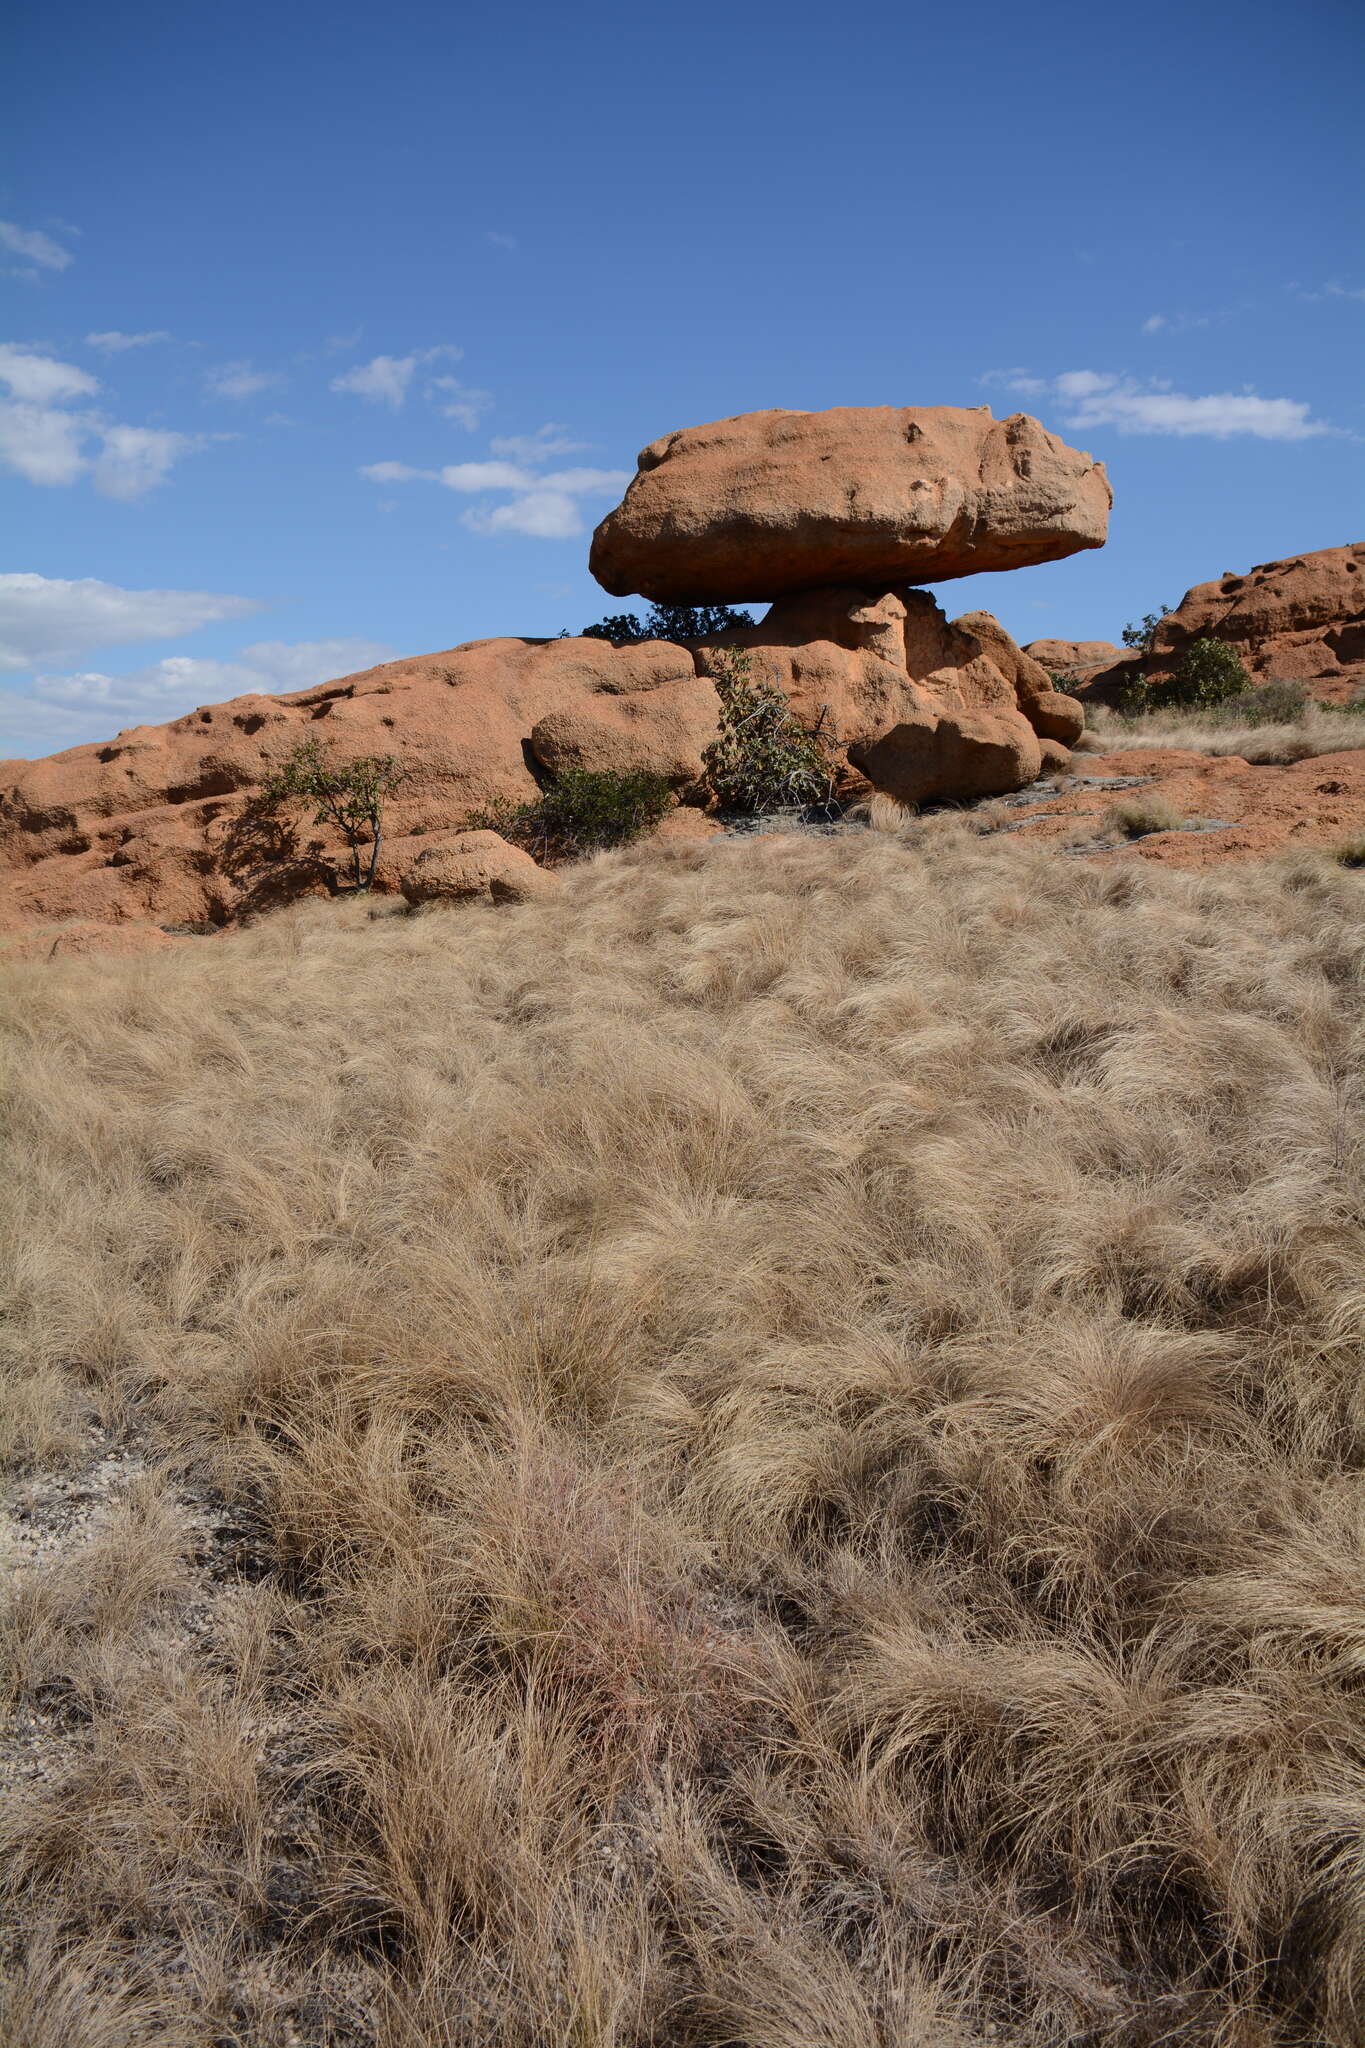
x=770 y=503
x=1073 y=659
x=1301 y=620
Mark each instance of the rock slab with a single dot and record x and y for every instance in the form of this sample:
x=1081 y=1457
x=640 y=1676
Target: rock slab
x=771 y=503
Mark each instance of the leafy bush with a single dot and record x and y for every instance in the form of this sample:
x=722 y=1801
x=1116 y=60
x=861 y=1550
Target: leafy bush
x=762 y=758
x=668 y=622
x=348 y=795
x=584 y=810
x=1209 y=672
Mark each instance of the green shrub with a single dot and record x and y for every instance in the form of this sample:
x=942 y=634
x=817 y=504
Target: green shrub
x=1208 y=673
x=348 y=795
x=762 y=758
x=668 y=622
x=584 y=810
x=1269 y=704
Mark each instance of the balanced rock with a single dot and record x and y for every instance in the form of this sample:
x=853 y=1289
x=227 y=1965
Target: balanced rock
x=477 y=866
x=770 y=503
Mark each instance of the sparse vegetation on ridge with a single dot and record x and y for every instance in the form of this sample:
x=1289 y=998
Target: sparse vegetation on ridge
x=1259 y=738
x=583 y=810
x=668 y=622
x=767 y=1454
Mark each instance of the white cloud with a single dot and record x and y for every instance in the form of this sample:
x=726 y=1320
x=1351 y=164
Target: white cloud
x=545 y=515
x=239 y=380
x=113 y=342
x=42 y=379
x=486 y=476
x=399 y=473
x=538 y=447
x=1179 y=323
x=53 y=618
x=543 y=505
x=501 y=241
x=42 y=446
x=183 y=681
x=33 y=244
x=134 y=460
x=46 y=445
x=386 y=380
x=463 y=403
x=64 y=710
x=1098 y=398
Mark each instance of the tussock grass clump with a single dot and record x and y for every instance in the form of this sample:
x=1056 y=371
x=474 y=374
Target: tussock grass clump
x=770 y=1456
x=1264 y=737
x=1143 y=812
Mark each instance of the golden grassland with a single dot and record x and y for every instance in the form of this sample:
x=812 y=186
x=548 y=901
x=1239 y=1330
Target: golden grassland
x=1321 y=729
x=769 y=1453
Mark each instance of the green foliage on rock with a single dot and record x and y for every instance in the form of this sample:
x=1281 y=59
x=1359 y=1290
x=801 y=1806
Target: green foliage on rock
x=348 y=795
x=1142 y=637
x=584 y=810
x=762 y=758
x=668 y=622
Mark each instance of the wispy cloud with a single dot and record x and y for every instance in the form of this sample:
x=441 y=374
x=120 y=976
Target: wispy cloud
x=543 y=504
x=1174 y=323
x=538 y=447
x=501 y=241
x=1100 y=398
x=42 y=379
x=45 y=444
x=53 y=618
x=1334 y=289
x=386 y=380
x=114 y=342
x=463 y=403
x=240 y=380
x=34 y=246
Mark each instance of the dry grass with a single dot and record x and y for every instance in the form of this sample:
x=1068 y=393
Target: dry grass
x=768 y=1454
x=1133 y=817
x=1322 y=730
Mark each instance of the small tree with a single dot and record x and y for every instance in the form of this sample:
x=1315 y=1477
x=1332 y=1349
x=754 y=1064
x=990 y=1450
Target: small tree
x=668 y=622
x=762 y=758
x=349 y=795
x=1142 y=637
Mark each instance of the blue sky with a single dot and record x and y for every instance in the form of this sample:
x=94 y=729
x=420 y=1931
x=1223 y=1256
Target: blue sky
x=331 y=331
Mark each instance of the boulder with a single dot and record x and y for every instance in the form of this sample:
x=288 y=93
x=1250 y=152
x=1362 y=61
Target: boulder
x=936 y=754
x=1073 y=658
x=769 y=503
x=477 y=867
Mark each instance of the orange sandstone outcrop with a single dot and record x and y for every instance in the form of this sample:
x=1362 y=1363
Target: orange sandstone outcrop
x=163 y=824
x=1301 y=620
x=1073 y=658
x=769 y=503
x=476 y=866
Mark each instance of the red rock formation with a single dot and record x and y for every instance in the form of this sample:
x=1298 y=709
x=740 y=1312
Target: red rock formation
x=1301 y=620
x=1073 y=658
x=161 y=823
x=769 y=503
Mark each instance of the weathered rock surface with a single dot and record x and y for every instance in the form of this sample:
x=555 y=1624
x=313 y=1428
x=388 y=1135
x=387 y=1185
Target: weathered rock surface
x=1301 y=620
x=967 y=704
x=161 y=824
x=477 y=866
x=769 y=503
x=1073 y=658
